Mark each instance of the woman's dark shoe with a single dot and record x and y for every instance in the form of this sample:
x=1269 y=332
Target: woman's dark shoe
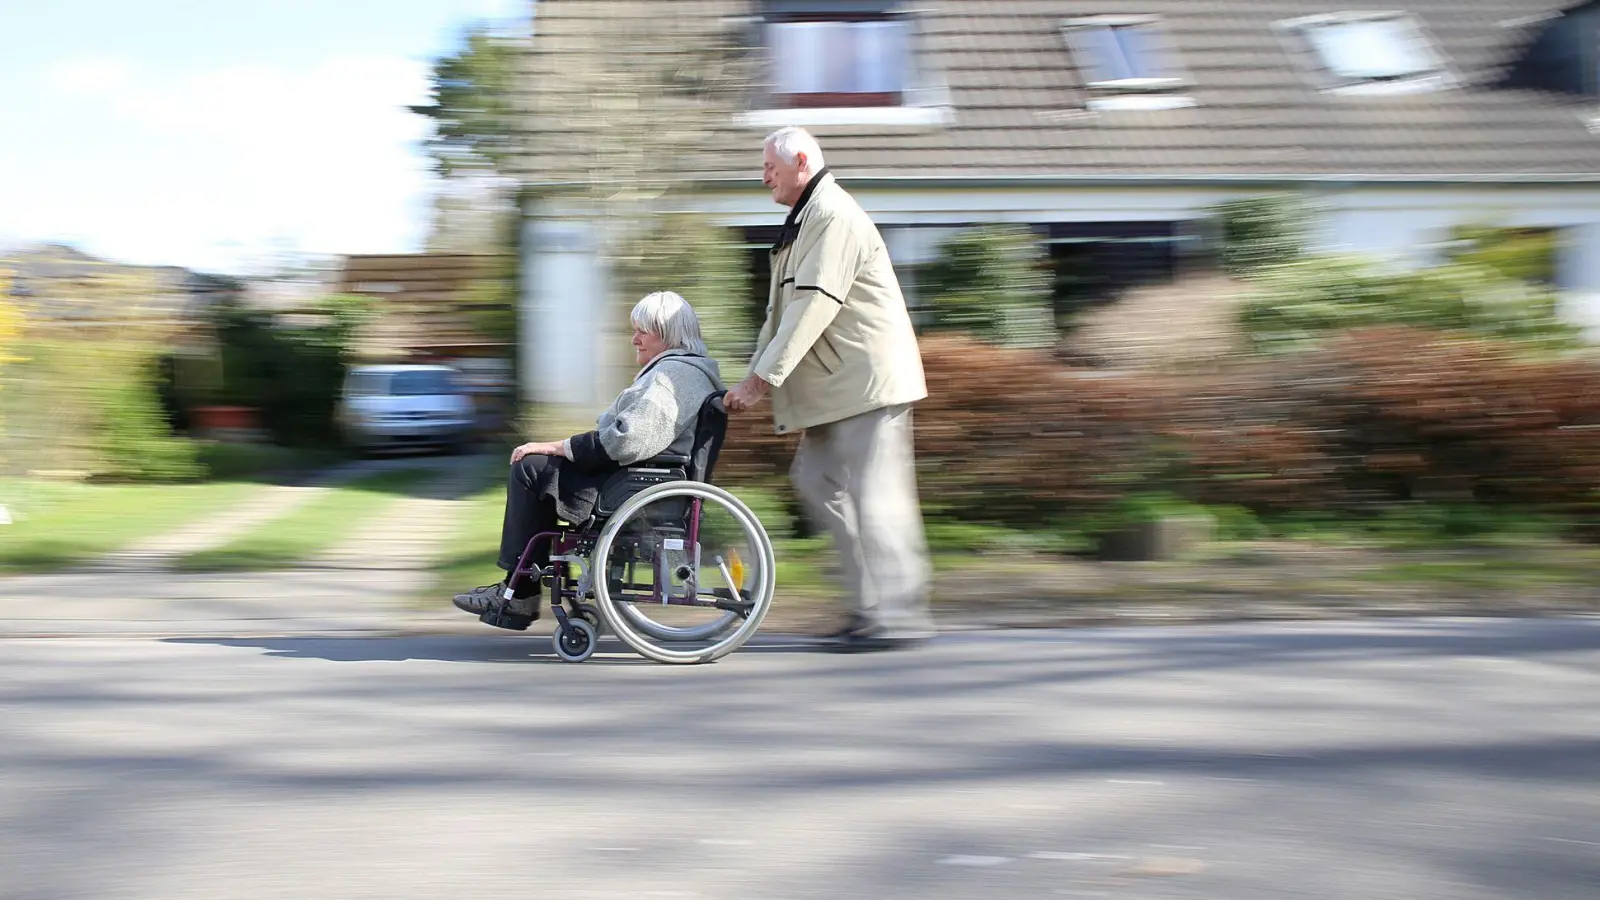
x=490 y=605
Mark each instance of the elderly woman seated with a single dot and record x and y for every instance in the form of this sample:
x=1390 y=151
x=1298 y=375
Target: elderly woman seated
x=562 y=479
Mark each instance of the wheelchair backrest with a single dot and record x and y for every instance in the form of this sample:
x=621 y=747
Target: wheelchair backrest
x=711 y=428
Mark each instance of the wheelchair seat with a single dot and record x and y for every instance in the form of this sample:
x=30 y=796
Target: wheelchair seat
x=705 y=444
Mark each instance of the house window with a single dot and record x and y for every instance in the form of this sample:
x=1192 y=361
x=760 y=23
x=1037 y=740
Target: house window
x=1368 y=51
x=823 y=62
x=1127 y=63
x=1124 y=54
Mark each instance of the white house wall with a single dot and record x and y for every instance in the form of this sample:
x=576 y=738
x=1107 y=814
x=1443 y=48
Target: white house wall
x=564 y=282
x=561 y=347
x=1579 y=275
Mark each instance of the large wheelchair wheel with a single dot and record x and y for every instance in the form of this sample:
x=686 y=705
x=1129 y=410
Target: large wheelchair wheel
x=683 y=572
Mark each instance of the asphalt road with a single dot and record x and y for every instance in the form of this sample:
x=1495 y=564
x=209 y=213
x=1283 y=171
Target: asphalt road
x=1420 y=759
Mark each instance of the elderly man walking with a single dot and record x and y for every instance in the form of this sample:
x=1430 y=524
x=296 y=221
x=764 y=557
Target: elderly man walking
x=839 y=358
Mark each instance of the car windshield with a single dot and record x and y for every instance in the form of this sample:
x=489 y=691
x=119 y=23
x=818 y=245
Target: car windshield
x=425 y=381
x=417 y=383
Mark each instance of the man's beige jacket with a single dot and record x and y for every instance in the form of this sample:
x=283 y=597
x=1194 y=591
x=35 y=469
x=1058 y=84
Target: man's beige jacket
x=838 y=339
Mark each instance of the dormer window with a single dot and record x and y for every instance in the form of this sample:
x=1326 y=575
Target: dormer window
x=1368 y=52
x=843 y=62
x=1123 y=57
x=820 y=60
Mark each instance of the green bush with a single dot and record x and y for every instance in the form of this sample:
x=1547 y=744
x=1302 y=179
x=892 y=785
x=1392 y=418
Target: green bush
x=93 y=406
x=1237 y=523
x=136 y=443
x=1418 y=523
x=1257 y=232
x=1297 y=303
x=1523 y=254
x=291 y=374
x=994 y=282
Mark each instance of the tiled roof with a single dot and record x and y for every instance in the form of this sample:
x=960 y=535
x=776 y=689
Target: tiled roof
x=1020 y=107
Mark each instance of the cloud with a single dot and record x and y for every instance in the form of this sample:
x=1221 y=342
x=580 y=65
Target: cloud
x=215 y=168
x=87 y=76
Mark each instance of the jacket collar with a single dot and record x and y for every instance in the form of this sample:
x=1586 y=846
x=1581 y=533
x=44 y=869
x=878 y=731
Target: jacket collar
x=665 y=355
x=791 y=224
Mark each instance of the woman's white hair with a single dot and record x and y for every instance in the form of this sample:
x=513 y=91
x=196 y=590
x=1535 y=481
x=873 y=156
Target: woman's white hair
x=790 y=142
x=670 y=317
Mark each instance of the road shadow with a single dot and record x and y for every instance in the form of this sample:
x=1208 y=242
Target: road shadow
x=531 y=649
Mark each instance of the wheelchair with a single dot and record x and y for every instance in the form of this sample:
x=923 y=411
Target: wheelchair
x=676 y=568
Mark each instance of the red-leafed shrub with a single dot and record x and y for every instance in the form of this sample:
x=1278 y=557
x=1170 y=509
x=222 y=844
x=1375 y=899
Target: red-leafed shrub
x=1011 y=435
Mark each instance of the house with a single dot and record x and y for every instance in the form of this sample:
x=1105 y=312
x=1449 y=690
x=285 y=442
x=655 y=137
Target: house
x=1111 y=126
x=428 y=304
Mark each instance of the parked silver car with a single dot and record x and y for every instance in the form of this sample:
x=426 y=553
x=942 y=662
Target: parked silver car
x=399 y=406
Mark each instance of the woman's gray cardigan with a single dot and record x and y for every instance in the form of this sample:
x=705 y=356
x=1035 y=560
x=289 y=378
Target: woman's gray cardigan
x=662 y=404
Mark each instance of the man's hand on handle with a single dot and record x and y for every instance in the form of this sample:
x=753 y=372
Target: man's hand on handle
x=747 y=394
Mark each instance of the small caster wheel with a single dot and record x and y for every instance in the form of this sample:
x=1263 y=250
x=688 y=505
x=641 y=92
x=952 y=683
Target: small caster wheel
x=591 y=614
x=576 y=642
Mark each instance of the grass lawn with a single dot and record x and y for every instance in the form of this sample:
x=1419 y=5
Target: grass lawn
x=1497 y=572
x=308 y=529
x=57 y=525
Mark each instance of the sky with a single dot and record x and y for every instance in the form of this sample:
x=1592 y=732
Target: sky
x=221 y=135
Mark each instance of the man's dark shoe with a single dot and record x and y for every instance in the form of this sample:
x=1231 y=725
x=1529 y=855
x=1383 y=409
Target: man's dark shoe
x=858 y=642
x=854 y=624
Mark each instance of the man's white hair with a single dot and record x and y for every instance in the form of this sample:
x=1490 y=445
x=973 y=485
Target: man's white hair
x=792 y=141
x=670 y=317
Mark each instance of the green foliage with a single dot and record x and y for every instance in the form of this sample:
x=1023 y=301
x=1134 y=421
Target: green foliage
x=10 y=334
x=699 y=260
x=1256 y=232
x=1523 y=254
x=1140 y=507
x=291 y=374
x=473 y=104
x=1236 y=523
x=995 y=282
x=1418 y=524
x=1296 y=303
x=94 y=407
x=134 y=438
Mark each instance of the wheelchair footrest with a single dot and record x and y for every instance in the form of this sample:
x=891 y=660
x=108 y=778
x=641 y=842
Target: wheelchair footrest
x=501 y=618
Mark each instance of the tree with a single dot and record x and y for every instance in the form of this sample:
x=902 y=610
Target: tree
x=473 y=94
x=472 y=108
x=622 y=119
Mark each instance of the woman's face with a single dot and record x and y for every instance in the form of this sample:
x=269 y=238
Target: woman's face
x=646 y=346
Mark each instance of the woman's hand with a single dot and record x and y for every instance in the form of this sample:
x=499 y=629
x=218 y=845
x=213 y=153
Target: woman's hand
x=536 y=448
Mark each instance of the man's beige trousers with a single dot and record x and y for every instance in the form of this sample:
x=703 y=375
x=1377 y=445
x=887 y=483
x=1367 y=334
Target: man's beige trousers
x=857 y=477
